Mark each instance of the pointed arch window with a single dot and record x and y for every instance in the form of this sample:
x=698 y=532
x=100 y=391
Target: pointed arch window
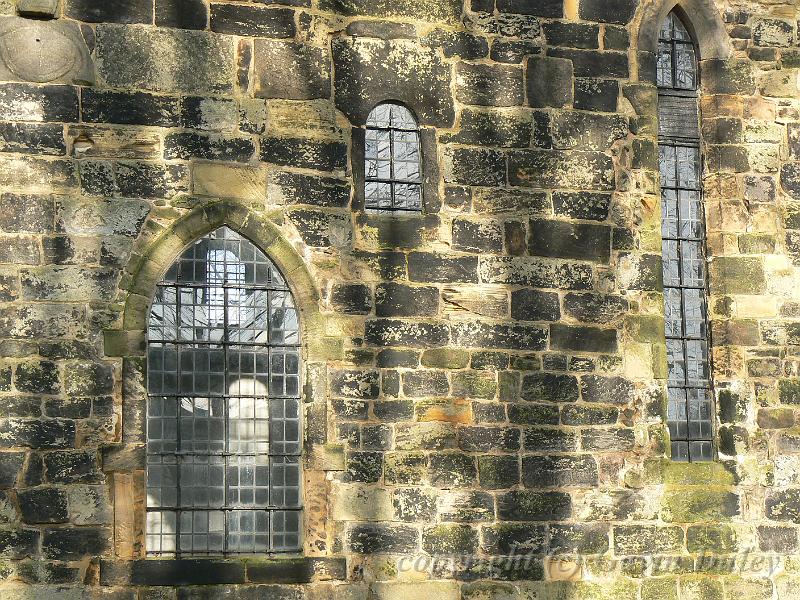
x=690 y=401
x=223 y=410
x=392 y=160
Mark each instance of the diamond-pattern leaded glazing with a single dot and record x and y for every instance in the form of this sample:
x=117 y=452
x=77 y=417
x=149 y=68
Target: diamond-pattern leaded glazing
x=690 y=404
x=223 y=414
x=393 y=172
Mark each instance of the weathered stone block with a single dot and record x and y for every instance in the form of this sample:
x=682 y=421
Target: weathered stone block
x=355 y=384
x=30 y=138
x=583 y=339
x=10 y=466
x=370 y=71
x=777 y=539
x=182 y=14
x=535 y=272
x=36 y=175
x=587 y=131
x=421 y=383
x=445 y=358
x=43 y=505
x=561 y=471
x=591 y=63
x=595 y=94
x=539 y=8
x=449 y=539
x=534 y=305
x=608 y=11
x=398 y=300
x=558 y=239
x=571 y=35
x=719 y=539
x=773 y=32
x=388 y=590
x=253 y=21
x=688 y=505
x=451 y=470
x=477 y=236
x=37 y=434
x=550 y=82
x=727 y=76
x=533 y=414
x=389 y=332
x=72 y=467
x=606 y=390
x=790 y=179
x=433 y=10
x=438 y=268
x=589 y=538
x=550 y=388
x=608 y=440
x=322 y=229
x=458 y=43
x=129 y=108
x=647 y=539
x=88 y=379
x=476 y=167
x=38 y=378
x=363 y=467
x=229 y=181
x=566 y=170
x=489 y=85
x=305 y=153
x=737 y=275
x=110 y=11
x=305 y=72
x=19 y=543
x=351 y=299
x=165 y=59
x=512 y=51
x=488 y=439
x=190 y=145
x=377 y=539
x=512 y=337
x=498 y=472
x=529 y=505
x=506 y=128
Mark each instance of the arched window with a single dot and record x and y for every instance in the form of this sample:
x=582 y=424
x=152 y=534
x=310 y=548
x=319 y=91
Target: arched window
x=223 y=412
x=392 y=169
x=690 y=403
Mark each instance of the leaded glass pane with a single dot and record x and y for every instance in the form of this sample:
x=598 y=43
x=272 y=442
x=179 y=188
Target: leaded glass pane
x=223 y=418
x=676 y=66
x=393 y=163
x=664 y=65
x=690 y=407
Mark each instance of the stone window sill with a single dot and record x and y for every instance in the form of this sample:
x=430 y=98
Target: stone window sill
x=212 y=571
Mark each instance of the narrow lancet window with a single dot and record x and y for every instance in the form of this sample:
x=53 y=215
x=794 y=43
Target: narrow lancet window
x=223 y=410
x=393 y=173
x=690 y=402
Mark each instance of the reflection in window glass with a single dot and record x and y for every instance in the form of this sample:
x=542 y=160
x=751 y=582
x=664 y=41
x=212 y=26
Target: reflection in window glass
x=393 y=174
x=223 y=413
x=689 y=411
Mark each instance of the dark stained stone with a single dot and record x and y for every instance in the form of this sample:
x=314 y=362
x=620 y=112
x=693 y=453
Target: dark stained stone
x=110 y=11
x=257 y=21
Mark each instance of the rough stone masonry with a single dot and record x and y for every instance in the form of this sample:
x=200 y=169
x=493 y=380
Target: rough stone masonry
x=484 y=381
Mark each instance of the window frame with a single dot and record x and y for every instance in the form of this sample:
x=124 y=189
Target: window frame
x=429 y=169
x=225 y=509
x=695 y=142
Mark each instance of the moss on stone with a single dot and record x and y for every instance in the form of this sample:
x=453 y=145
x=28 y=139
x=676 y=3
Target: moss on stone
x=699 y=504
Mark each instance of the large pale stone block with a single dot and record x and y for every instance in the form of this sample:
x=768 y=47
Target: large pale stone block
x=228 y=181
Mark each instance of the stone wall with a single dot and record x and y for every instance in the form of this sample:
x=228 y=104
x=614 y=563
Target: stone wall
x=484 y=379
